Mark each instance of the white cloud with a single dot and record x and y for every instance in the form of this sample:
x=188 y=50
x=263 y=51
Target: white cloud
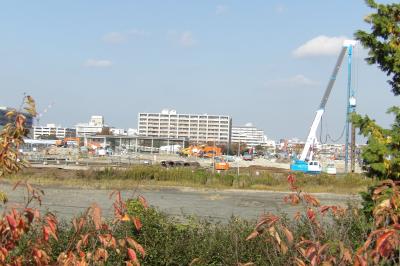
x=138 y=33
x=298 y=80
x=280 y=8
x=117 y=37
x=186 y=39
x=221 y=9
x=97 y=63
x=114 y=37
x=320 y=45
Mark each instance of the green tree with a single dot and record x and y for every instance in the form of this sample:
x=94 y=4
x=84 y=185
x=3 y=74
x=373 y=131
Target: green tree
x=383 y=42
x=235 y=146
x=381 y=155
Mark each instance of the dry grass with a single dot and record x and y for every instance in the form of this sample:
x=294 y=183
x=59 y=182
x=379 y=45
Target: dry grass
x=197 y=178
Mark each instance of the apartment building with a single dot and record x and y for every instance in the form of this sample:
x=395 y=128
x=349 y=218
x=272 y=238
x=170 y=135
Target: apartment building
x=198 y=128
x=249 y=134
x=95 y=126
x=40 y=132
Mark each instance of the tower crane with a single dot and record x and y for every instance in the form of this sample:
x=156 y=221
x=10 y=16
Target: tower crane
x=305 y=163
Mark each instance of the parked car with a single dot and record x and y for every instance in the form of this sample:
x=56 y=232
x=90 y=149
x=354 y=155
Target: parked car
x=247 y=157
x=330 y=169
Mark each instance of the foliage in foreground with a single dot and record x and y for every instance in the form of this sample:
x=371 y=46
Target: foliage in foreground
x=383 y=41
x=380 y=245
x=381 y=155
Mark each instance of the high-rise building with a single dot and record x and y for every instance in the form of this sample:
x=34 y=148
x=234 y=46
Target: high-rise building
x=248 y=134
x=95 y=126
x=51 y=130
x=198 y=128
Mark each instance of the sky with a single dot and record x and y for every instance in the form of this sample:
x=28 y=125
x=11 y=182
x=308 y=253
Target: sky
x=264 y=62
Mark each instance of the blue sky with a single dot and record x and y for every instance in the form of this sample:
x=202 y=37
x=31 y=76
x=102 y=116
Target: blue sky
x=265 y=62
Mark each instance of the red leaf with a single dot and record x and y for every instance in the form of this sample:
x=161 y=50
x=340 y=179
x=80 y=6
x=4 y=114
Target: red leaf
x=396 y=226
x=143 y=201
x=288 y=234
x=252 y=235
x=292 y=180
x=51 y=221
x=45 y=233
x=382 y=246
x=311 y=214
x=360 y=261
x=299 y=262
x=52 y=233
x=311 y=252
x=324 y=209
x=136 y=245
x=96 y=215
x=311 y=200
x=292 y=198
x=138 y=223
x=11 y=221
x=132 y=255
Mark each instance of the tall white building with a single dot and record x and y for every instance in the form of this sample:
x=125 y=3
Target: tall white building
x=248 y=134
x=59 y=132
x=199 y=128
x=95 y=125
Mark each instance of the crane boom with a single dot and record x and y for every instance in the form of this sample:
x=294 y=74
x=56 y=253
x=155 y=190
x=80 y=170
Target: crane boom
x=312 y=138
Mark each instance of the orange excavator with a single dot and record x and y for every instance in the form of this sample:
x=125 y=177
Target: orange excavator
x=211 y=151
x=201 y=151
x=69 y=140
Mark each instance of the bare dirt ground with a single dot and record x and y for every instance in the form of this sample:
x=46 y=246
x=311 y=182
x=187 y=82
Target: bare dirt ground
x=214 y=205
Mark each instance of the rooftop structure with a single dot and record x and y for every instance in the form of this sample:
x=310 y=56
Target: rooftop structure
x=95 y=126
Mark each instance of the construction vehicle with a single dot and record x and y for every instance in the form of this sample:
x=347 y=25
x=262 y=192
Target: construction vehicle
x=68 y=141
x=201 y=151
x=211 y=151
x=306 y=163
x=220 y=164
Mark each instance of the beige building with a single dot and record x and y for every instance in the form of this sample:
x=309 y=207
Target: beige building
x=248 y=134
x=199 y=128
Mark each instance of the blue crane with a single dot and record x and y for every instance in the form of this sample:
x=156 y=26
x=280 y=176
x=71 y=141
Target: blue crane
x=305 y=163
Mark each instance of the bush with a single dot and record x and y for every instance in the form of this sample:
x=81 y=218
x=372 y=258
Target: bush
x=170 y=242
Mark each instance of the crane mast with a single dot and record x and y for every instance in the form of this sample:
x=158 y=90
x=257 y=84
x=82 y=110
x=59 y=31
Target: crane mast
x=308 y=150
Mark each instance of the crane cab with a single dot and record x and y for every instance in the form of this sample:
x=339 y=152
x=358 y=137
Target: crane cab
x=311 y=167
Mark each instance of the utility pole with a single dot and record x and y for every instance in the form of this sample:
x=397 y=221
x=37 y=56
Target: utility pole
x=238 y=153
x=213 y=158
x=353 y=148
x=351 y=104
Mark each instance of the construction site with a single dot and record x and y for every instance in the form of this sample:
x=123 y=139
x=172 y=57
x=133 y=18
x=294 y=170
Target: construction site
x=177 y=140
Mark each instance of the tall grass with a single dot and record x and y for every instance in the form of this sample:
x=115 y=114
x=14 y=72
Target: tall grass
x=117 y=178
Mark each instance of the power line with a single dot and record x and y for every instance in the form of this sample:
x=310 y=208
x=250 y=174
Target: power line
x=328 y=136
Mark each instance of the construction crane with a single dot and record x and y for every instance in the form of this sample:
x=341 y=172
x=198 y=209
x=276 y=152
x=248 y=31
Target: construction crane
x=39 y=115
x=305 y=163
